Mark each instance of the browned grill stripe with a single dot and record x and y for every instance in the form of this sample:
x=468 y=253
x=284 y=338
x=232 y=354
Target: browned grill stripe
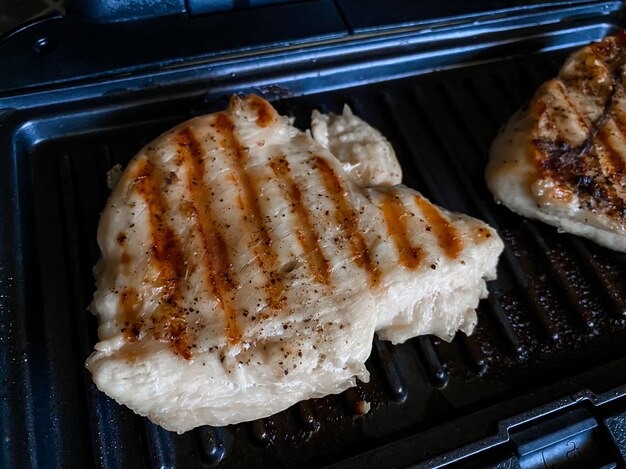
x=614 y=168
x=395 y=215
x=316 y=262
x=620 y=124
x=265 y=113
x=169 y=322
x=262 y=242
x=581 y=121
x=348 y=220
x=129 y=314
x=619 y=119
x=447 y=235
x=538 y=157
x=220 y=276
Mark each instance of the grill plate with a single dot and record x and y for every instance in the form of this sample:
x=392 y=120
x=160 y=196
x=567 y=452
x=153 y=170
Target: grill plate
x=554 y=324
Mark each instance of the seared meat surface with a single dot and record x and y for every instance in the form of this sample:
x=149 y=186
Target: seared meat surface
x=245 y=268
x=561 y=160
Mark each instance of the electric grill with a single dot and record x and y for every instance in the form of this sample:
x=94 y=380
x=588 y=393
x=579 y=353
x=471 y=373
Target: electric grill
x=541 y=383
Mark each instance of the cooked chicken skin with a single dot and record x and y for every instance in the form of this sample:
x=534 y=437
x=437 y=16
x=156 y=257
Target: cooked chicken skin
x=562 y=159
x=243 y=269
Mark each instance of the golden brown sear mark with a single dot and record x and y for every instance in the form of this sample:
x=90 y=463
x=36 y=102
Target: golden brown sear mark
x=617 y=167
x=395 y=215
x=305 y=232
x=582 y=120
x=265 y=114
x=447 y=235
x=220 y=276
x=130 y=306
x=262 y=241
x=169 y=322
x=619 y=118
x=347 y=219
x=614 y=164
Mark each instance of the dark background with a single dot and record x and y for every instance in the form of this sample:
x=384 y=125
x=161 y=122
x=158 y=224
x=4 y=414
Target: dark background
x=14 y=12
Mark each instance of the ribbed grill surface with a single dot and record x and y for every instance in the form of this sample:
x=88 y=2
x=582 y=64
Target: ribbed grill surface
x=557 y=308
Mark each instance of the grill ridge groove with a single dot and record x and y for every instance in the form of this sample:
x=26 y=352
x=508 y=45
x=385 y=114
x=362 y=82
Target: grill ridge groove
x=388 y=359
x=421 y=177
x=73 y=245
x=436 y=373
x=572 y=296
x=499 y=314
x=258 y=428
x=511 y=89
x=307 y=414
x=471 y=349
x=615 y=297
x=160 y=447
x=212 y=443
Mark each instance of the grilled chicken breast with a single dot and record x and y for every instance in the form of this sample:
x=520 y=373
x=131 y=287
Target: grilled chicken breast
x=561 y=160
x=244 y=268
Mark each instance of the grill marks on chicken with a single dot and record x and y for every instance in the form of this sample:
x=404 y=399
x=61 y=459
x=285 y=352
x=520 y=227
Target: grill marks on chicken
x=563 y=159
x=347 y=219
x=265 y=113
x=244 y=269
x=610 y=145
x=171 y=260
x=262 y=246
x=448 y=237
x=215 y=256
x=318 y=265
x=395 y=218
x=169 y=323
x=130 y=319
